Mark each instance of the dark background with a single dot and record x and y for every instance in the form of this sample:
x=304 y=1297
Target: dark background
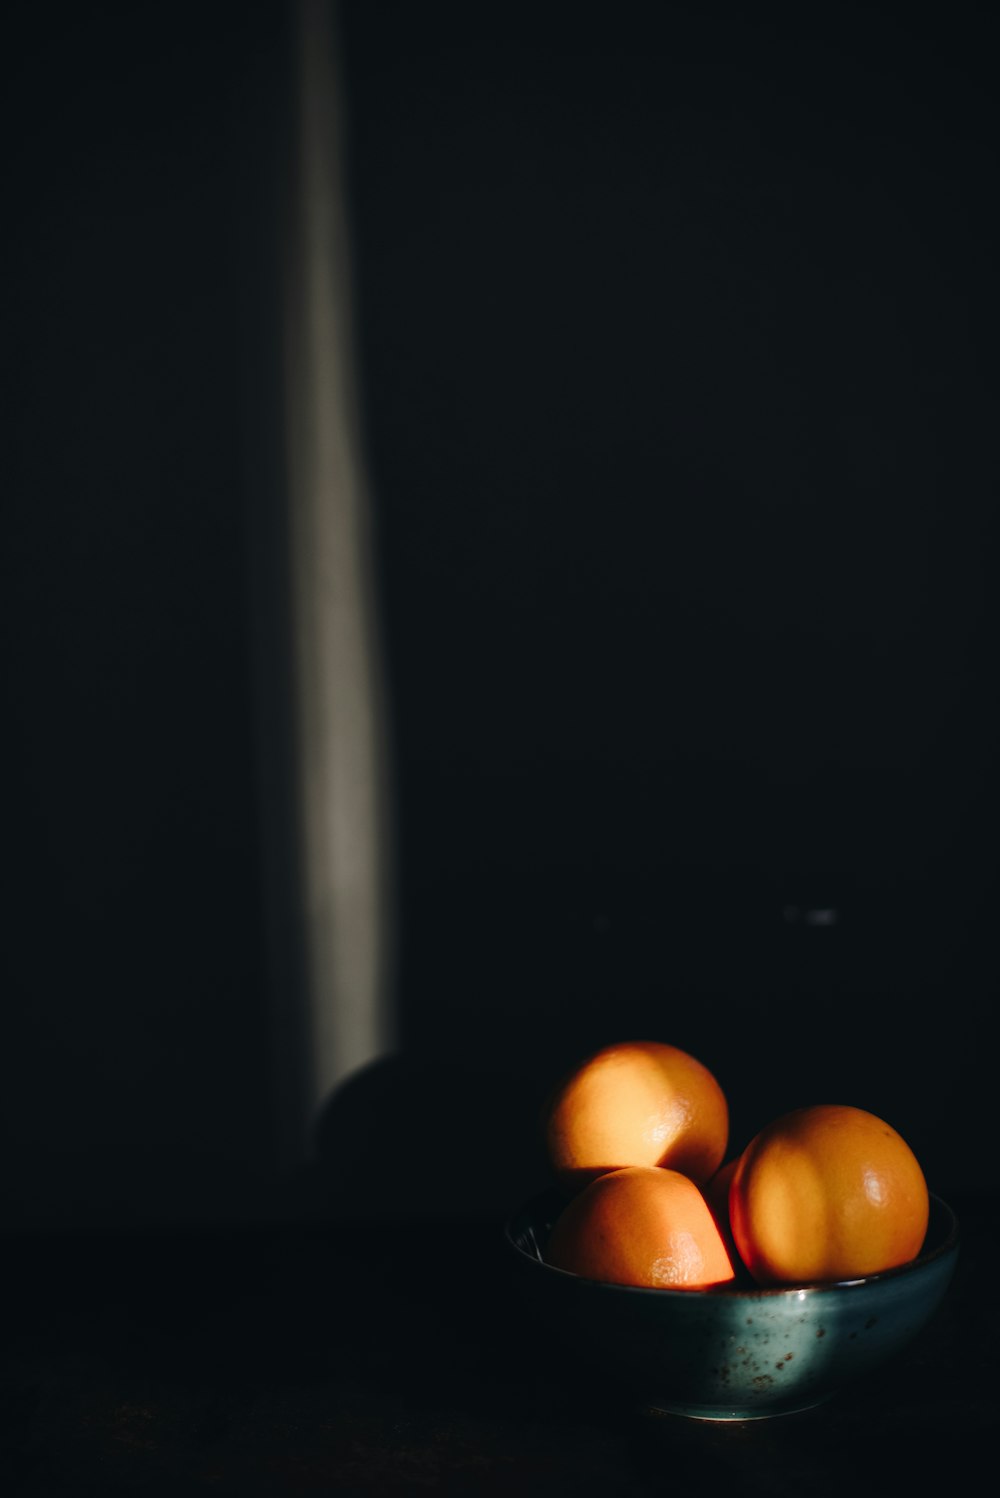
x=677 y=336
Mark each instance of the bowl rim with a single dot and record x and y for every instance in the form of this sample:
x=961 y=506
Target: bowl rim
x=947 y=1247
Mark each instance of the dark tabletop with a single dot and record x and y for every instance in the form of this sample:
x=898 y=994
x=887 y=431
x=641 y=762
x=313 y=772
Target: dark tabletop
x=395 y=1357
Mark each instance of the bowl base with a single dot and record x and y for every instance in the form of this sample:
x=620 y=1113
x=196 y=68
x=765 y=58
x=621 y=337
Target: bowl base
x=734 y=1411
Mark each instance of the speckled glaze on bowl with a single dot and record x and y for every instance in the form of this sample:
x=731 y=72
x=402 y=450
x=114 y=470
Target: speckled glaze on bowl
x=733 y=1354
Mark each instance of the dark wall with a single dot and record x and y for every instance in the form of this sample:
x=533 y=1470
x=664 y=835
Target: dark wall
x=677 y=357
x=134 y=1063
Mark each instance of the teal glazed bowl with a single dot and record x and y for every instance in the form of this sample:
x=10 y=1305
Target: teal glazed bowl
x=727 y=1353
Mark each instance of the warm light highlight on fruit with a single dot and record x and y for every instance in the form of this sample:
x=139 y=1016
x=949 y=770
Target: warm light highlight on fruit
x=644 y=1226
x=827 y=1192
x=636 y=1103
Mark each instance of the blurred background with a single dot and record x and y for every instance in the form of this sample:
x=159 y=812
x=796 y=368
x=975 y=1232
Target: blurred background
x=616 y=661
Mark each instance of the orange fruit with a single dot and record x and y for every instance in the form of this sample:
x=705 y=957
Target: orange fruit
x=827 y=1192
x=716 y=1193
x=637 y=1103
x=641 y=1225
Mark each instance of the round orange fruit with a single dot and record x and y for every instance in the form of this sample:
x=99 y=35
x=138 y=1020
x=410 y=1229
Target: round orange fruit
x=716 y=1193
x=641 y=1225
x=636 y=1103
x=828 y=1192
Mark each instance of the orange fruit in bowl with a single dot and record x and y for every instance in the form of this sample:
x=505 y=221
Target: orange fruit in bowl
x=827 y=1192
x=636 y=1103
x=642 y=1225
x=716 y=1193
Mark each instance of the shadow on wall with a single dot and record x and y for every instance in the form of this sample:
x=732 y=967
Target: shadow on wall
x=414 y=1137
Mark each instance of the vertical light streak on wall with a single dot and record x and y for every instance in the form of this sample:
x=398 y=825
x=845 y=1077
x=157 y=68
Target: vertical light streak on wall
x=341 y=728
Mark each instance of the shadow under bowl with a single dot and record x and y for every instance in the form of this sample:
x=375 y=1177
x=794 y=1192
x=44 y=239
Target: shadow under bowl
x=725 y=1353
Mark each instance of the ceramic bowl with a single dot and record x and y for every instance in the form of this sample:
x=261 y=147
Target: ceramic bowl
x=732 y=1354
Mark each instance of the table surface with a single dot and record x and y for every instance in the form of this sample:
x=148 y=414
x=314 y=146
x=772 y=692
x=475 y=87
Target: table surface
x=394 y=1358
